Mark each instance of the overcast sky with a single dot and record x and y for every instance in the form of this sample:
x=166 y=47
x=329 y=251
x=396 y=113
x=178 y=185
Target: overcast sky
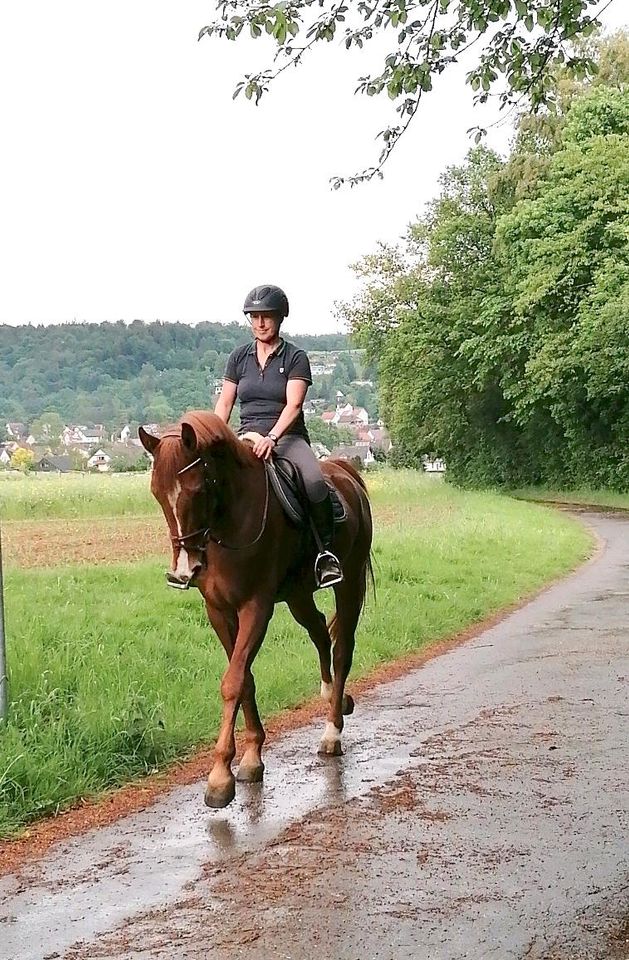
x=133 y=187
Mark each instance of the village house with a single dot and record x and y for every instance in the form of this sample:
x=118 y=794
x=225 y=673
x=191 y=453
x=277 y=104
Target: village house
x=16 y=431
x=322 y=369
x=349 y=416
x=433 y=464
x=74 y=435
x=376 y=437
x=50 y=463
x=118 y=454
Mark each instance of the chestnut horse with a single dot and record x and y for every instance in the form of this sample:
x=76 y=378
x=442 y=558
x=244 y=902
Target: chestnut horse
x=232 y=540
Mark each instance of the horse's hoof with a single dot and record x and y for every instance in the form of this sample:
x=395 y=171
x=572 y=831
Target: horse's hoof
x=330 y=748
x=218 y=797
x=250 y=774
x=348 y=705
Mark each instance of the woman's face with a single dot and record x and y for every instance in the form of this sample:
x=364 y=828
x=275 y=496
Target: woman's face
x=265 y=326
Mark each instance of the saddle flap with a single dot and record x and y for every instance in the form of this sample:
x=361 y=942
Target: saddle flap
x=288 y=487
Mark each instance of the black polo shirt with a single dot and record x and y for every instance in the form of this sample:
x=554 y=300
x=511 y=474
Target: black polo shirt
x=262 y=391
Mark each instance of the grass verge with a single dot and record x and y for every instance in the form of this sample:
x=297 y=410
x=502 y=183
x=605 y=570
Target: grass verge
x=596 y=498
x=112 y=675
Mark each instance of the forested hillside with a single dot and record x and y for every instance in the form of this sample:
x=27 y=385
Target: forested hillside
x=114 y=373
x=501 y=327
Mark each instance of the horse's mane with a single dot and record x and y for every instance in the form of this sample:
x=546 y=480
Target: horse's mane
x=210 y=431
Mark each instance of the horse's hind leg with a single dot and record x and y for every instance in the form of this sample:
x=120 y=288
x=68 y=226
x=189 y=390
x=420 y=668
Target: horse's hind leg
x=251 y=767
x=348 y=607
x=307 y=615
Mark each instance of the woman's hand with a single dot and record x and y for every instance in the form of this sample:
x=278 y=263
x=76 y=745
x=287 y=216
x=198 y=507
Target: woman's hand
x=262 y=446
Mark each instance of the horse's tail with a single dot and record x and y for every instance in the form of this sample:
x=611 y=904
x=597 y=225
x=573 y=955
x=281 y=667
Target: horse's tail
x=366 y=578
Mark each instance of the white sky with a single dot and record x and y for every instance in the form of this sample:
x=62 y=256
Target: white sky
x=133 y=187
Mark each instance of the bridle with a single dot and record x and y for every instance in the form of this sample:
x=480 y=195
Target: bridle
x=205 y=532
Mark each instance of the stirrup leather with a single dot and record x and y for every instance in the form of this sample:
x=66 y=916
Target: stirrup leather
x=327 y=578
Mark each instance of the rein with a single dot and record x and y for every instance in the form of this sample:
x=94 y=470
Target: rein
x=206 y=532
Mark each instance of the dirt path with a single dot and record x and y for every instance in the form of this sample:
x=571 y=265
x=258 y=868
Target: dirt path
x=480 y=812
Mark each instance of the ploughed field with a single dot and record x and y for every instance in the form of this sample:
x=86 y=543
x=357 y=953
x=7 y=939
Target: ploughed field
x=112 y=675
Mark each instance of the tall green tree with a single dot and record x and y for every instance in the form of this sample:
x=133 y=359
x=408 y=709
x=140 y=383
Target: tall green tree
x=566 y=356
x=502 y=329
x=48 y=428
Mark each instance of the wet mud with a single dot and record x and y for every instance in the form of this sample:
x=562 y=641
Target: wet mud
x=480 y=811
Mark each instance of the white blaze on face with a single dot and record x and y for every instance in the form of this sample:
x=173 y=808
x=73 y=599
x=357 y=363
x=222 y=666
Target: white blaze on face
x=184 y=567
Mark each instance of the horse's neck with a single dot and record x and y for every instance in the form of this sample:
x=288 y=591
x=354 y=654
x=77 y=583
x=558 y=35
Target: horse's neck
x=239 y=487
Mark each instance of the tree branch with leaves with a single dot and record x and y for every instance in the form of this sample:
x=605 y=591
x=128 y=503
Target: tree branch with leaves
x=522 y=43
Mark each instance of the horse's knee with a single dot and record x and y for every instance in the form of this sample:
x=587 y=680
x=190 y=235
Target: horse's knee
x=231 y=688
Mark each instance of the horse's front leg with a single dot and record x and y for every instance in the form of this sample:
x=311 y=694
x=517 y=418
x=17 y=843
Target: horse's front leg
x=251 y=767
x=236 y=688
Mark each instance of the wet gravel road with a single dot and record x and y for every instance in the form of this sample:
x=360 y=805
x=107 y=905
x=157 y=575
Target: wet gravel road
x=480 y=811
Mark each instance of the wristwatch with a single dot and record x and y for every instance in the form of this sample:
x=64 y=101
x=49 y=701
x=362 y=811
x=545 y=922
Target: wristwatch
x=272 y=437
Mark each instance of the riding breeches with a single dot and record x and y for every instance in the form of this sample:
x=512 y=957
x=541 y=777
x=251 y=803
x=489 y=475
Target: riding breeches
x=301 y=455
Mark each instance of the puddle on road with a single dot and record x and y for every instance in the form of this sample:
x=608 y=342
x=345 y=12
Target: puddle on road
x=144 y=861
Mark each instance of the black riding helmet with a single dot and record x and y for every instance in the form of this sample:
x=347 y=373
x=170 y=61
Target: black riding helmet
x=267 y=299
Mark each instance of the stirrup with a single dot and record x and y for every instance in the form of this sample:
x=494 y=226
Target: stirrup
x=327 y=578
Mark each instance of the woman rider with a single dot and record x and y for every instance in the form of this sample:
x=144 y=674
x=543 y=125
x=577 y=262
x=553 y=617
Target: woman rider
x=270 y=377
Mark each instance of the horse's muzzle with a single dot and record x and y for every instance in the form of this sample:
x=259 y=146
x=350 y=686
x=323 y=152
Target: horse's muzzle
x=178 y=583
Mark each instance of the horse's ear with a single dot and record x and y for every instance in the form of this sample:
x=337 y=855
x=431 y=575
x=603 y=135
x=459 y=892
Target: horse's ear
x=149 y=442
x=189 y=437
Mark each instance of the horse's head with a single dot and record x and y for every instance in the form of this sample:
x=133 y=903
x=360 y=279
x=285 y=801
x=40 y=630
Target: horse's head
x=185 y=482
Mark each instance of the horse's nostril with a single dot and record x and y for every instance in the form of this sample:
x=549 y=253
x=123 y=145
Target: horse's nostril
x=181 y=583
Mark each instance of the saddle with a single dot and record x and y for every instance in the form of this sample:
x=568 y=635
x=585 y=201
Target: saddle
x=288 y=487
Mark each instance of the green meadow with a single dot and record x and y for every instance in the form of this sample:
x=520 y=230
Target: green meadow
x=74 y=496
x=112 y=675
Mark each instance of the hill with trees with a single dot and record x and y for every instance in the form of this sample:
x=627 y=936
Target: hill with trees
x=117 y=373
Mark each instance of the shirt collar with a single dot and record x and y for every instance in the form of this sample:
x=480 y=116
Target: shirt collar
x=279 y=350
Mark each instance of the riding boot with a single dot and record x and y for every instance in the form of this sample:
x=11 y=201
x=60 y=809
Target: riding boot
x=327 y=567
